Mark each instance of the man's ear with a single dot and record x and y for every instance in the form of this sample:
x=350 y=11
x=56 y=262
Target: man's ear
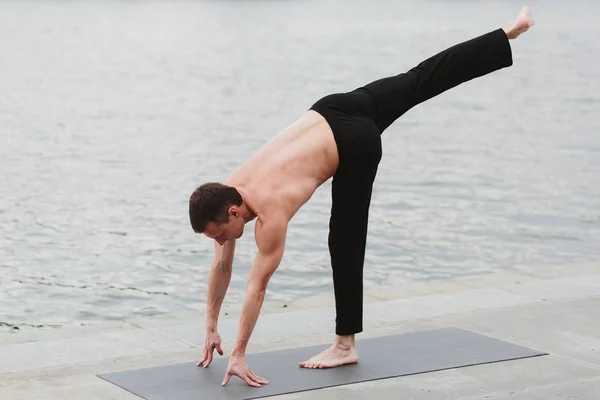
x=234 y=211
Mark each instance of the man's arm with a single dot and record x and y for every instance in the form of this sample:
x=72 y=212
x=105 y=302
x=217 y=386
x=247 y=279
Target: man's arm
x=218 y=282
x=270 y=239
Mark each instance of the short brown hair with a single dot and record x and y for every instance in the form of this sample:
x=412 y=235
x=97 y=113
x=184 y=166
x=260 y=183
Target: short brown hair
x=210 y=202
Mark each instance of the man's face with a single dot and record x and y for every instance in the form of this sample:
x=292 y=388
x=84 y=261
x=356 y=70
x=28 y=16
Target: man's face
x=233 y=229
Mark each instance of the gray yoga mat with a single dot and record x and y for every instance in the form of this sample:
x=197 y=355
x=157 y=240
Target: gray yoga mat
x=382 y=357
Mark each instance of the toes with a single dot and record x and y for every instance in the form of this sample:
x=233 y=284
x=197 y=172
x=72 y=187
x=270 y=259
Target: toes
x=312 y=362
x=307 y=364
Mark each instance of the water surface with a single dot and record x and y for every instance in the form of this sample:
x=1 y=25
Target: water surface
x=111 y=113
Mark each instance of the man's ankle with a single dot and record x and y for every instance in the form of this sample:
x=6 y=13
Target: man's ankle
x=344 y=341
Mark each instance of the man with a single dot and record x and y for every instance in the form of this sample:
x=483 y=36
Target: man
x=339 y=137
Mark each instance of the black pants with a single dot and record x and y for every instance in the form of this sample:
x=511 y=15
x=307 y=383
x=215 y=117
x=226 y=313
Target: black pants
x=357 y=119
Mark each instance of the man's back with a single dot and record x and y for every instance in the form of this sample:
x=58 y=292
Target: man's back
x=285 y=172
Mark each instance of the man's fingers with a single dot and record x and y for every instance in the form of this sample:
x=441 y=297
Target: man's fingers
x=209 y=359
x=258 y=378
x=226 y=380
x=219 y=350
x=245 y=377
x=262 y=381
x=203 y=359
x=251 y=376
x=250 y=380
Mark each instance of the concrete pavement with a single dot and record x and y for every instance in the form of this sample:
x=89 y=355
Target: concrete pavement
x=556 y=310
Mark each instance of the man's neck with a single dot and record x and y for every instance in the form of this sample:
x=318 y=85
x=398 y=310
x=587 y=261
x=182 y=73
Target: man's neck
x=246 y=211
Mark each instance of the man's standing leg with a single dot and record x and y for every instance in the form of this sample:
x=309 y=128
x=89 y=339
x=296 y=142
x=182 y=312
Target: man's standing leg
x=351 y=192
x=348 y=227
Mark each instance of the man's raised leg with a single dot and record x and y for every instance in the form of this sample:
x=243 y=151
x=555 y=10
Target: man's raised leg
x=393 y=96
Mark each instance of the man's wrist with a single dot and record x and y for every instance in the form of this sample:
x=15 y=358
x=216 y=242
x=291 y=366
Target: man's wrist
x=239 y=349
x=238 y=353
x=211 y=325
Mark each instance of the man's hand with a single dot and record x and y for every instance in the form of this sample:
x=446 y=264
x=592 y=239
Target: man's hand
x=238 y=367
x=213 y=341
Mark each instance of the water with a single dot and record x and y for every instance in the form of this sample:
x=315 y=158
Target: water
x=111 y=113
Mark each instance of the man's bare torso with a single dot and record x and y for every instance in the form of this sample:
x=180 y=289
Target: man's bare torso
x=284 y=173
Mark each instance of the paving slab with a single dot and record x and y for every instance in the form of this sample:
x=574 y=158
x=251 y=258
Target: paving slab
x=577 y=390
x=442 y=304
x=72 y=387
x=564 y=288
x=25 y=356
x=27 y=336
x=570 y=328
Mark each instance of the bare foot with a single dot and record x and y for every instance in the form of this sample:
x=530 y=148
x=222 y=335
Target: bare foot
x=335 y=356
x=520 y=25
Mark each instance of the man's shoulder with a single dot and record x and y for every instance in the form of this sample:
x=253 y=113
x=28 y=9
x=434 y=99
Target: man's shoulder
x=272 y=220
x=271 y=230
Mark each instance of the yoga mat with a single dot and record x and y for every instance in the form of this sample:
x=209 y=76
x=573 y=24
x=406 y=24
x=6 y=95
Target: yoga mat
x=379 y=358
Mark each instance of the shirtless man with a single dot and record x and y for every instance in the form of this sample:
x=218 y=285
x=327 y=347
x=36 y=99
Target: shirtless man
x=339 y=137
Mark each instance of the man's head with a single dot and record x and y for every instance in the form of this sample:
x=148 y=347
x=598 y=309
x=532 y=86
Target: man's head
x=215 y=211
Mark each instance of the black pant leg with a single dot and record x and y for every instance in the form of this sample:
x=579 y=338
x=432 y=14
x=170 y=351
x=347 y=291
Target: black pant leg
x=351 y=191
x=393 y=96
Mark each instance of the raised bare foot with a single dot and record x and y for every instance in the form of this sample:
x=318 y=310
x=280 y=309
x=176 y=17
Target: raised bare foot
x=520 y=25
x=335 y=356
